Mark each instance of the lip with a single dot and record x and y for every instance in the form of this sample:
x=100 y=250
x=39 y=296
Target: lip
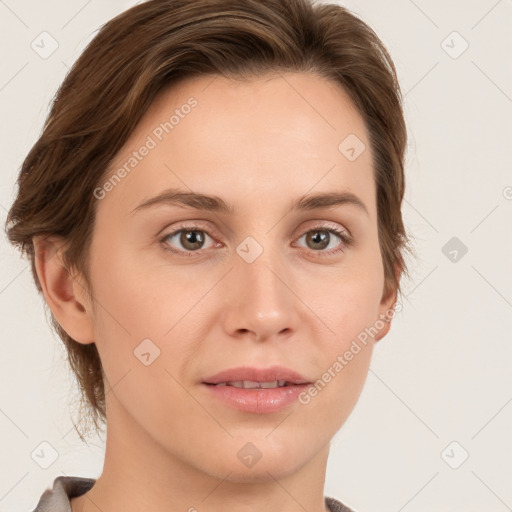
x=268 y=374
x=261 y=400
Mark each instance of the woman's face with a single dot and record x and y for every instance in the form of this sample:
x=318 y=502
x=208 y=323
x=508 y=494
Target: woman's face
x=257 y=284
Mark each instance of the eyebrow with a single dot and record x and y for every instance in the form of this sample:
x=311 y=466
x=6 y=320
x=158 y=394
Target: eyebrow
x=204 y=202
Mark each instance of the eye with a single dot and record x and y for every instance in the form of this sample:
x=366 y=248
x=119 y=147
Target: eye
x=320 y=238
x=190 y=238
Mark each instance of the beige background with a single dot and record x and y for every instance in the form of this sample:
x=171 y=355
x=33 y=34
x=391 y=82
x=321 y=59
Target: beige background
x=443 y=374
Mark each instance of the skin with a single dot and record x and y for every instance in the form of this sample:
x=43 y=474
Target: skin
x=259 y=145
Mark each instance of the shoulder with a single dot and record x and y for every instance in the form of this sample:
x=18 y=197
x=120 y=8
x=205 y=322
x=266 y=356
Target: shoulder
x=64 y=488
x=336 y=506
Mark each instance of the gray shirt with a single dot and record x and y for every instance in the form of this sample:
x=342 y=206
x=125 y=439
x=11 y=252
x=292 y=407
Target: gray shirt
x=67 y=487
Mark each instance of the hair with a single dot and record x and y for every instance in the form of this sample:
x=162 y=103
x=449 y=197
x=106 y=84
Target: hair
x=147 y=49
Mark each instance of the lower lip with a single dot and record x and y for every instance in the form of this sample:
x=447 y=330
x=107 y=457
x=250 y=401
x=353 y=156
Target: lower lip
x=261 y=401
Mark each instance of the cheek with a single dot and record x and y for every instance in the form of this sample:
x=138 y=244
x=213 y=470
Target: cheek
x=139 y=300
x=125 y=311
x=350 y=310
x=134 y=298
x=345 y=363
x=348 y=299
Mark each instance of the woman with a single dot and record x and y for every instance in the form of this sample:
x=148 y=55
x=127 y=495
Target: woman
x=213 y=215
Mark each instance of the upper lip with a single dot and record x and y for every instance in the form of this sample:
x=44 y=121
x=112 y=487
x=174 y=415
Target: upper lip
x=249 y=373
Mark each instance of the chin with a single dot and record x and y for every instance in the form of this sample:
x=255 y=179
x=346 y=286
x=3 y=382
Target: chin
x=259 y=460
x=260 y=473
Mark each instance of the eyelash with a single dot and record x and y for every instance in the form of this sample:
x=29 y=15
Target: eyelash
x=346 y=240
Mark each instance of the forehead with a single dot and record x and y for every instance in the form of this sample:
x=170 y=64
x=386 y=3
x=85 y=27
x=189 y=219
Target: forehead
x=274 y=137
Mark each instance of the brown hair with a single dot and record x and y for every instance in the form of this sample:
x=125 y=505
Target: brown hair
x=149 y=48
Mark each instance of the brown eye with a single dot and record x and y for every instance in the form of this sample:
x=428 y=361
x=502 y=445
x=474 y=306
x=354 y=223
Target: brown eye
x=318 y=239
x=188 y=239
x=326 y=240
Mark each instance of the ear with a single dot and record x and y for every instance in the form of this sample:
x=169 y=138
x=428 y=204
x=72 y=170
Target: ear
x=64 y=293
x=387 y=306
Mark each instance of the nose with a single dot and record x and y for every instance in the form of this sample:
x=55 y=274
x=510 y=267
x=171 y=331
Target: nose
x=259 y=301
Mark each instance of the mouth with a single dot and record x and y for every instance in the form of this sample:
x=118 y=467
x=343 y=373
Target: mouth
x=253 y=390
x=251 y=384
x=248 y=377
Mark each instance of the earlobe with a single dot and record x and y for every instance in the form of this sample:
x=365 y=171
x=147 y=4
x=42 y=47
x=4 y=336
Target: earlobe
x=385 y=317
x=387 y=308
x=63 y=292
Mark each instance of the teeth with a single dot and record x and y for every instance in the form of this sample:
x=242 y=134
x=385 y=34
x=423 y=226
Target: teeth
x=249 y=384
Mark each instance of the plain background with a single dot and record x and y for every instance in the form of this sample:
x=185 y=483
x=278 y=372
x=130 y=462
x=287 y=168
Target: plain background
x=439 y=387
